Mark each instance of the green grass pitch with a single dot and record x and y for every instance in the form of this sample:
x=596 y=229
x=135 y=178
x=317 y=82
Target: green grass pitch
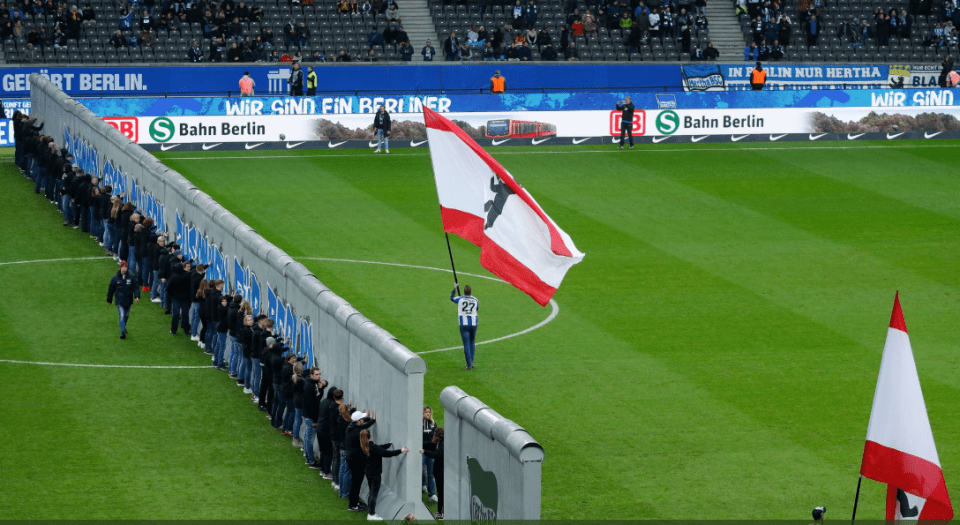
x=714 y=357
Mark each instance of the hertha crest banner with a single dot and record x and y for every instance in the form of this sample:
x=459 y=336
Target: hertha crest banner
x=481 y=202
x=900 y=450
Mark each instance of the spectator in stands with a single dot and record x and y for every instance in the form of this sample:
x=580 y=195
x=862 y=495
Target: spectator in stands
x=126 y=19
x=428 y=52
x=701 y=23
x=60 y=40
x=577 y=28
x=216 y=49
x=266 y=36
x=195 y=54
x=33 y=54
x=764 y=51
x=393 y=11
x=317 y=57
x=472 y=37
x=466 y=53
x=487 y=54
x=711 y=53
x=343 y=56
x=391 y=35
x=685 y=40
x=653 y=23
x=846 y=33
x=406 y=51
x=666 y=23
x=518 y=15
x=776 y=51
x=530 y=14
x=146 y=38
x=572 y=54
x=451 y=47
x=234 y=54
x=401 y=36
x=303 y=35
x=882 y=29
x=786 y=31
x=289 y=34
x=751 y=52
x=757 y=29
x=366 y=9
x=6 y=31
x=812 y=30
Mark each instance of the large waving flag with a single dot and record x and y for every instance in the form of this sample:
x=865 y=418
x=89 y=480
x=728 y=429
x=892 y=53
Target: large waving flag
x=481 y=202
x=900 y=450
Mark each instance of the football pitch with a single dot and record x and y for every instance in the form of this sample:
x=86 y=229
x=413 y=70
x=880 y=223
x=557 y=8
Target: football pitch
x=714 y=356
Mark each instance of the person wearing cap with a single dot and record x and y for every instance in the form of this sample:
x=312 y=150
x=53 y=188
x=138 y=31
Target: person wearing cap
x=428 y=52
x=381 y=125
x=498 y=84
x=356 y=459
x=758 y=77
x=818 y=515
x=124 y=287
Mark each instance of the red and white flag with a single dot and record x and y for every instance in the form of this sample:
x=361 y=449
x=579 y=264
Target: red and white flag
x=481 y=202
x=900 y=450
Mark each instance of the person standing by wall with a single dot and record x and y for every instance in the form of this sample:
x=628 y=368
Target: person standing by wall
x=429 y=483
x=626 y=120
x=247 y=85
x=467 y=306
x=374 y=469
x=311 y=82
x=437 y=456
x=123 y=286
x=381 y=125
x=498 y=84
x=758 y=77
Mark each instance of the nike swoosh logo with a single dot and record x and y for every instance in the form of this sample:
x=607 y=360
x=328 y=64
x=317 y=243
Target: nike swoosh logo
x=815 y=137
x=211 y=146
x=737 y=139
x=165 y=147
x=698 y=139
x=415 y=144
x=581 y=141
x=889 y=136
x=248 y=146
x=657 y=140
x=854 y=137
x=499 y=142
x=931 y=135
x=535 y=141
x=297 y=144
x=329 y=144
x=372 y=144
x=778 y=137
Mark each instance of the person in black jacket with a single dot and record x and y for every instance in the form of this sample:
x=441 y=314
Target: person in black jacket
x=256 y=348
x=286 y=394
x=333 y=413
x=233 y=330
x=381 y=125
x=374 y=469
x=437 y=456
x=199 y=274
x=312 y=394
x=298 y=384
x=243 y=340
x=323 y=435
x=342 y=422
x=220 y=346
x=178 y=287
x=356 y=459
x=276 y=367
x=626 y=120
x=266 y=395
x=124 y=286
x=429 y=483
x=211 y=305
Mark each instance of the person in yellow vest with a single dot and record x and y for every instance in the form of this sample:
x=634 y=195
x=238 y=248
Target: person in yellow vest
x=498 y=84
x=311 y=82
x=246 y=85
x=758 y=77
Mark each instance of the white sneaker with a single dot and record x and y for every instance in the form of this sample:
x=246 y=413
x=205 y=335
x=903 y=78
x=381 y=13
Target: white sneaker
x=335 y=486
x=388 y=151
x=433 y=499
x=202 y=346
x=424 y=489
x=373 y=517
x=157 y=300
x=247 y=391
x=378 y=150
x=194 y=337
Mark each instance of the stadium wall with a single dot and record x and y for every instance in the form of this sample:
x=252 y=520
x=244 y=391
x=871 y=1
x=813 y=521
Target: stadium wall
x=493 y=467
x=372 y=367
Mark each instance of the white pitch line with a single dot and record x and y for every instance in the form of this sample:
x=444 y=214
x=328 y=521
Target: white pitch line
x=82 y=365
x=555 y=308
x=104 y=257
x=611 y=151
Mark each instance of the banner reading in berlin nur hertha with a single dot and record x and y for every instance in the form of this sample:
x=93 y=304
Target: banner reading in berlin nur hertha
x=900 y=450
x=481 y=202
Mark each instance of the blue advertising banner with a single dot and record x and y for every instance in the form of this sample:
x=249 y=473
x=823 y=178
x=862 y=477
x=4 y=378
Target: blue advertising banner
x=272 y=78
x=262 y=106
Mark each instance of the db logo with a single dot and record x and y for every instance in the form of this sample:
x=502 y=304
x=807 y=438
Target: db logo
x=125 y=125
x=639 y=122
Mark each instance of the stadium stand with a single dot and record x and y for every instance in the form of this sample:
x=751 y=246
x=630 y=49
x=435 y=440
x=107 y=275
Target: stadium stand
x=47 y=33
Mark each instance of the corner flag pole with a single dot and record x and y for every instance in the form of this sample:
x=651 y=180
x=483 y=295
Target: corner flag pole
x=855 y=500
x=455 y=280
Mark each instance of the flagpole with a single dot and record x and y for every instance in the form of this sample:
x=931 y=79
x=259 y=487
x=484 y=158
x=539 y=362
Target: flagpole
x=455 y=281
x=855 y=500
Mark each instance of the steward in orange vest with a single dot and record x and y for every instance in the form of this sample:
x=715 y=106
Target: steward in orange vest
x=758 y=77
x=498 y=84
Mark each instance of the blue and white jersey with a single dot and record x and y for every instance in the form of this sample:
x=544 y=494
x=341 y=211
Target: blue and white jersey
x=466 y=309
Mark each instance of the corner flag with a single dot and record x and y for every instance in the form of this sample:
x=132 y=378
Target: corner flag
x=481 y=202
x=900 y=450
